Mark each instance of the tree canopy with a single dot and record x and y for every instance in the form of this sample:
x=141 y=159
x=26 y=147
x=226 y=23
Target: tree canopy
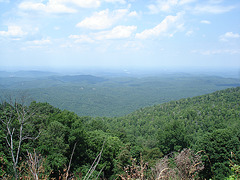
x=207 y=124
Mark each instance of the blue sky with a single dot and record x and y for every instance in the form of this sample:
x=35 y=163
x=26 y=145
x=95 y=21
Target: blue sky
x=120 y=33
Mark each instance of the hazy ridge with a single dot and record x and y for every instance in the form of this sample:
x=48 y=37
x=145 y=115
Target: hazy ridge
x=91 y=95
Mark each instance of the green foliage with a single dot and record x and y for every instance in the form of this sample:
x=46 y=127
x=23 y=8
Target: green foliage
x=4 y=165
x=235 y=172
x=52 y=144
x=111 y=147
x=218 y=146
x=173 y=137
x=208 y=123
x=96 y=96
x=185 y=123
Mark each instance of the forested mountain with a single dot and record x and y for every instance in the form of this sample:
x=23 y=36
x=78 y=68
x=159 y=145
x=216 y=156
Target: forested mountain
x=201 y=123
x=207 y=124
x=89 y=95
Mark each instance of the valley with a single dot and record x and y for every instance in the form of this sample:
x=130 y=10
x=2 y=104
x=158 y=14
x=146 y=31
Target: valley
x=110 y=96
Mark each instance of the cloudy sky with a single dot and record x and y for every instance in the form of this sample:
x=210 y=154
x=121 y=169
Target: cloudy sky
x=120 y=33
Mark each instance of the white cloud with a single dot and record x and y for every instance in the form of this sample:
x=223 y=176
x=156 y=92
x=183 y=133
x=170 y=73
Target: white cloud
x=162 y=6
x=37 y=44
x=50 y=7
x=182 y=2
x=215 y=1
x=62 y=6
x=214 y=9
x=116 y=1
x=167 y=5
x=103 y=19
x=211 y=6
x=205 y=22
x=229 y=35
x=14 y=31
x=85 y=3
x=40 y=42
x=167 y=27
x=59 y=6
x=119 y=32
x=99 y=20
x=189 y=33
x=81 y=38
x=133 y=13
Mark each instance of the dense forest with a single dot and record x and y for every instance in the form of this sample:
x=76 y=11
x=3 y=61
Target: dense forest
x=108 y=96
x=191 y=138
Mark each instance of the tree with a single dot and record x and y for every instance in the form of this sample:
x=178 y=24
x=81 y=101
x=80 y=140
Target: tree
x=173 y=137
x=218 y=146
x=15 y=120
x=53 y=145
x=110 y=152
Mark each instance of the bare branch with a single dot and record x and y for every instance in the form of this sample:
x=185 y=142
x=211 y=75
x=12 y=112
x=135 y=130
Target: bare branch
x=3 y=121
x=34 y=162
x=94 y=164
x=100 y=172
x=70 y=160
x=7 y=142
x=15 y=111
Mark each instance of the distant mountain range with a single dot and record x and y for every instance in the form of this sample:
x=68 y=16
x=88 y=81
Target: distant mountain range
x=108 y=96
x=28 y=74
x=79 y=78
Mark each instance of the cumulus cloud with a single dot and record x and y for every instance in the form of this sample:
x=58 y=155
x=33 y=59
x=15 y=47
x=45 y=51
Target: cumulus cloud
x=215 y=1
x=167 y=27
x=182 y=2
x=211 y=6
x=103 y=19
x=133 y=13
x=40 y=42
x=84 y=3
x=118 y=32
x=205 y=22
x=116 y=1
x=229 y=35
x=59 y=6
x=50 y=7
x=167 y=5
x=162 y=6
x=13 y=31
x=63 y=6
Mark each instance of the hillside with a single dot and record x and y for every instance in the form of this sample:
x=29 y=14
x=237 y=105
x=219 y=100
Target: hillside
x=198 y=123
x=203 y=113
x=207 y=124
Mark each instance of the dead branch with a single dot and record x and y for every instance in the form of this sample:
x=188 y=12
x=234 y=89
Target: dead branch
x=67 y=173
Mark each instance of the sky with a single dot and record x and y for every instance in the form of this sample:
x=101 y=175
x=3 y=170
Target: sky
x=120 y=33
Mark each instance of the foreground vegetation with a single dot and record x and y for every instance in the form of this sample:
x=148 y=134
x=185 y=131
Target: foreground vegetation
x=192 y=138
